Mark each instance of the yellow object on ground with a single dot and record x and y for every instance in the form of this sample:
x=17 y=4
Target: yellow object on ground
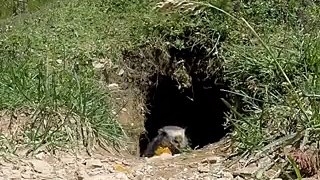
x=120 y=168
x=162 y=150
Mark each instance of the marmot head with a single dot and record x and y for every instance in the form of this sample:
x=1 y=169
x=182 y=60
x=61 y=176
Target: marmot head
x=175 y=136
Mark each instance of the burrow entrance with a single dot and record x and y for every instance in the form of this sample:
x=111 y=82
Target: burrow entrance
x=199 y=109
x=181 y=86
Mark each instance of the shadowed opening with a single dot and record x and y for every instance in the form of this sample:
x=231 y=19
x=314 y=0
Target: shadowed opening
x=199 y=109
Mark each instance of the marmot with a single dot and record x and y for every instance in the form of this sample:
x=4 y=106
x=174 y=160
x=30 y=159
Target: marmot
x=173 y=137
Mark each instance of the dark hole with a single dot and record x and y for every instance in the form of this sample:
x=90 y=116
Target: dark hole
x=198 y=108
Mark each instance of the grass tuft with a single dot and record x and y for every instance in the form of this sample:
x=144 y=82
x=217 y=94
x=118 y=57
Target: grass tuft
x=47 y=65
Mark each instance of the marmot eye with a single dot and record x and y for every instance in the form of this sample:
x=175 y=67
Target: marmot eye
x=177 y=140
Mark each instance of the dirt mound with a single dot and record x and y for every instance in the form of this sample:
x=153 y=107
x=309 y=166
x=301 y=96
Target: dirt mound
x=178 y=83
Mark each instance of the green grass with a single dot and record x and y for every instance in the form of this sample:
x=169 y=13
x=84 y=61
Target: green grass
x=46 y=64
x=9 y=7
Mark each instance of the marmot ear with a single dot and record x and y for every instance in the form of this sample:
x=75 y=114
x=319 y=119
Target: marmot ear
x=161 y=132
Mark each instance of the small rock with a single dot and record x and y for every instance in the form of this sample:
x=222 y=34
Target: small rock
x=113 y=86
x=121 y=71
x=81 y=174
x=124 y=109
x=211 y=160
x=41 y=166
x=6 y=171
x=93 y=163
x=227 y=175
x=27 y=175
x=185 y=169
x=247 y=171
x=118 y=162
x=15 y=167
x=108 y=168
x=238 y=178
x=193 y=165
x=97 y=64
x=95 y=172
x=67 y=161
x=203 y=169
x=59 y=61
x=61 y=173
x=272 y=174
x=15 y=174
x=264 y=161
x=40 y=155
x=121 y=176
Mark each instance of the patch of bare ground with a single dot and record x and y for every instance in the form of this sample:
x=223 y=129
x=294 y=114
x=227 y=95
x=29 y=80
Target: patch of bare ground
x=210 y=162
x=205 y=164
x=11 y=123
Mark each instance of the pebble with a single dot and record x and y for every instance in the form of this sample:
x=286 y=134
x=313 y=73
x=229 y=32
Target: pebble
x=82 y=174
x=41 y=166
x=211 y=160
x=203 y=169
x=249 y=170
x=67 y=160
x=93 y=163
x=40 y=156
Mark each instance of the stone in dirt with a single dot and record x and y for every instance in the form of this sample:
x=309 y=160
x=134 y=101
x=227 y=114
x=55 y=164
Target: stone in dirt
x=211 y=160
x=118 y=176
x=67 y=160
x=61 y=173
x=121 y=176
x=41 y=166
x=246 y=171
x=238 y=178
x=40 y=155
x=113 y=86
x=227 y=175
x=272 y=174
x=27 y=174
x=93 y=163
x=203 y=169
x=15 y=174
x=81 y=174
